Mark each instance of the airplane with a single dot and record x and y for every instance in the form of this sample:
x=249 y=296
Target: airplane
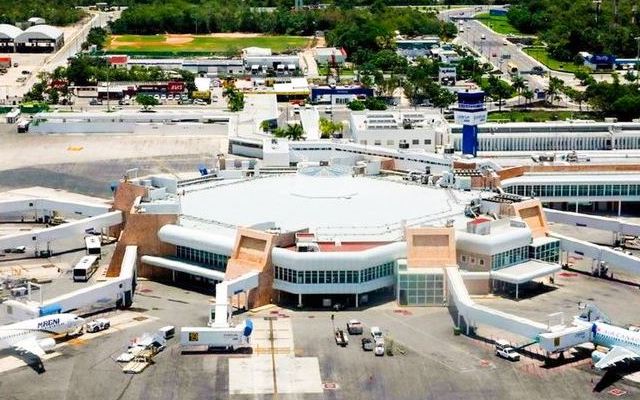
x=623 y=344
x=32 y=336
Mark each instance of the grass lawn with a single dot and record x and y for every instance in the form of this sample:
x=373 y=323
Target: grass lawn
x=536 y=116
x=499 y=23
x=540 y=54
x=204 y=44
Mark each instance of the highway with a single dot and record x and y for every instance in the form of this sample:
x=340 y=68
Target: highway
x=493 y=47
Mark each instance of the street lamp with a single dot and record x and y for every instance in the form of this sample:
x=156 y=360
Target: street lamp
x=637 y=38
x=597 y=4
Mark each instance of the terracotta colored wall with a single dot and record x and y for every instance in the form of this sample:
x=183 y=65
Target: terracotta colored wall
x=142 y=230
x=388 y=164
x=252 y=252
x=430 y=247
x=531 y=212
x=512 y=172
x=126 y=194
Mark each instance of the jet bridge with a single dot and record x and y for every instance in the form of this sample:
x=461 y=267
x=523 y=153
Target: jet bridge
x=550 y=338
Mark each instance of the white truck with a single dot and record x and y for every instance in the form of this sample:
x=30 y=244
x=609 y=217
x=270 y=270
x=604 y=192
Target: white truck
x=506 y=351
x=229 y=338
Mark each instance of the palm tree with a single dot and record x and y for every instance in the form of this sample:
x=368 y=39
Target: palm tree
x=518 y=85
x=554 y=89
x=295 y=132
x=528 y=96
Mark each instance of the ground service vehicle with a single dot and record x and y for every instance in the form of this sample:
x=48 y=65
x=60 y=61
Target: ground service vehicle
x=504 y=350
x=167 y=331
x=341 y=338
x=354 y=327
x=85 y=268
x=98 y=325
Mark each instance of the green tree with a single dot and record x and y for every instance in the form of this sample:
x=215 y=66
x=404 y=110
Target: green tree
x=444 y=99
x=328 y=128
x=518 y=84
x=554 y=89
x=528 y=96
x=292 y=132
x=146 y=101
x=575 y=95
x=356 y=105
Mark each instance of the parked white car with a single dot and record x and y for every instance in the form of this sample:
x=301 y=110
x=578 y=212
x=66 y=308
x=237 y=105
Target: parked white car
x=376 y=333
x=379 y=349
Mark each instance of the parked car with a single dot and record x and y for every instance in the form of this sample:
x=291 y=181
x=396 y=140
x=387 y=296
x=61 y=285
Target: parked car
x=123 y=102
x=169 y=97
x=376 y=332
x=367 y=344
x=379 y=348
x=328 y=110
x=95 y=102
x=354 y=327
x=15 y=64
x=25 y=72
x=504 y=350
x=98 y=325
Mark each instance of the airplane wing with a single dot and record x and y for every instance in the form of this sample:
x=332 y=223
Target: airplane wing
x=615 y=356
x=30 y=346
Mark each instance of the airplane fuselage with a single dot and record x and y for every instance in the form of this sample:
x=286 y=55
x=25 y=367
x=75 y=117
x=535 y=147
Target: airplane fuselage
x=38 y=328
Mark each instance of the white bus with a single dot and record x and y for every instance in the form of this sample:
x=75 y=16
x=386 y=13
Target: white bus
x=93 y=245
x=86 y=267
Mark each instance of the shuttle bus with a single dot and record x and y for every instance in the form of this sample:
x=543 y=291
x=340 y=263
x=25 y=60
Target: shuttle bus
x=94 y=247
x=86 y=267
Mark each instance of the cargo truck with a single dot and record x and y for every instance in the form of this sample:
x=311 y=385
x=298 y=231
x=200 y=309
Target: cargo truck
x=228 y=338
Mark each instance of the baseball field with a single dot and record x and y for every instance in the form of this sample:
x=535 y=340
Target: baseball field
x=213 y=43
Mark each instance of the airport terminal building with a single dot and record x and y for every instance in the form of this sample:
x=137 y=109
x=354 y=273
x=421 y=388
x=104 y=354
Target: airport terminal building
x=324 y=236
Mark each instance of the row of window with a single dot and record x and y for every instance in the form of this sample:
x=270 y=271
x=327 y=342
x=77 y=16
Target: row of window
x=415 y=142
x=561 y=143
x=549 y=252
x=510 y=257
x=348 y=276
x=217 y=261
x=420 y=289
x=574 y=190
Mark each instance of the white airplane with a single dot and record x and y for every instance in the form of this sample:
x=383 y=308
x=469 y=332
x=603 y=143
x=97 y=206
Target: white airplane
x=623 y=344
x=33 y=335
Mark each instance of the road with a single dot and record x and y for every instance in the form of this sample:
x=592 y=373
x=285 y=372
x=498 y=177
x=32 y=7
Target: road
x=11 y=90
x=493 y=47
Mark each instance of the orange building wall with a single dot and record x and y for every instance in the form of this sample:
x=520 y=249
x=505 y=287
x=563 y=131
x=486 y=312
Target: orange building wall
x=430 y=247
x=252 y=252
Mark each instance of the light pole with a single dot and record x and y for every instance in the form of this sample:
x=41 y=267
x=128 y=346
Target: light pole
x=597 y=3
x=637 y=55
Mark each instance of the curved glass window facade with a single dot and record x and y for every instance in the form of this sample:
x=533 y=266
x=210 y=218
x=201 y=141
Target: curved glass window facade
x=339 y=276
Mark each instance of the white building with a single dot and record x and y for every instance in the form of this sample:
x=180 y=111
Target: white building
x=324 y=55
x=553 y=136
x=398 y=130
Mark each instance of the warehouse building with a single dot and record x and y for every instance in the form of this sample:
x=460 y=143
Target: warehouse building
x=8 y=35
x=39 y=39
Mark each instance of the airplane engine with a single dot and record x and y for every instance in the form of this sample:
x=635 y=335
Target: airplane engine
x=47 y=344
x=597 y=356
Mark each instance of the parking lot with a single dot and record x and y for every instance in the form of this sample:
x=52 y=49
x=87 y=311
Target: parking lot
x=429 y=361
